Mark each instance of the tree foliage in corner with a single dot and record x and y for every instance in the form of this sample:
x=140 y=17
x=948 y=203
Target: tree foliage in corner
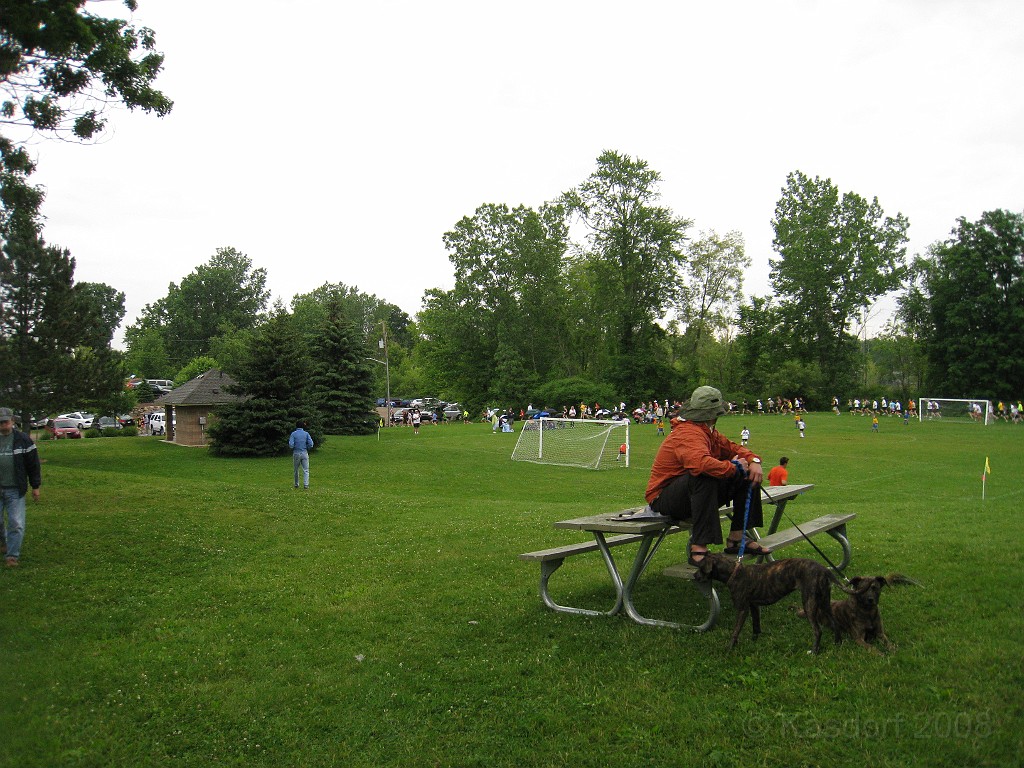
x=62 y=66
x=837 y=254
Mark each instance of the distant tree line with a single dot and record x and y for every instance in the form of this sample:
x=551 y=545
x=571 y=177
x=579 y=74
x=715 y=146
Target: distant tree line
x=601 y=294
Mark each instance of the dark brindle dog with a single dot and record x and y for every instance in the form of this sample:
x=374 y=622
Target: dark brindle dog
x=858 y=615
x=752 y=586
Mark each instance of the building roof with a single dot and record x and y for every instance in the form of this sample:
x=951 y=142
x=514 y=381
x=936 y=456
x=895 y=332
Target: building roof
x=208 y=388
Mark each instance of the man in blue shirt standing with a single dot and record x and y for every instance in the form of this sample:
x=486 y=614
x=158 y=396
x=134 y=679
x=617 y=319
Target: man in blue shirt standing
x=300 y=442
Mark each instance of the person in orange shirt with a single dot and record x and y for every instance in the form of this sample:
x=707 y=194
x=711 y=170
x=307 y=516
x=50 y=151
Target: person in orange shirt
x=697 y=469
x=779 y=475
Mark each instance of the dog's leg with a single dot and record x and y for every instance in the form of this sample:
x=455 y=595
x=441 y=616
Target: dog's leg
x=883 y=638
x=755 y=620
x=741 y=617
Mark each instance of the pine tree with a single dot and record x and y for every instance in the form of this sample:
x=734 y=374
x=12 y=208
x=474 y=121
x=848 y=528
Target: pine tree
x=341 y=388
x=271 y=381
x=38 y=327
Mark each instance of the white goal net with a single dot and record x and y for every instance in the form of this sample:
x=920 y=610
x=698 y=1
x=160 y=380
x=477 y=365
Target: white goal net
x=587 y=443
x=953 y=410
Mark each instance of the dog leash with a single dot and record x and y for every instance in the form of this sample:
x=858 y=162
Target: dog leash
x=817 y=549
x=832 y=565
x=746 y=520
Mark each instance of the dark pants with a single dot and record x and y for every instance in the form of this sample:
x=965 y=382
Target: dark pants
x=696 y=500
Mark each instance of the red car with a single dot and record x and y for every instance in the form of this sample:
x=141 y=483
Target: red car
x=64 y=428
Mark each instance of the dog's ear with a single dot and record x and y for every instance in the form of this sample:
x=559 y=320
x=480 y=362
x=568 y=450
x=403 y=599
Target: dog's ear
x=881 y=581
x=856 y=581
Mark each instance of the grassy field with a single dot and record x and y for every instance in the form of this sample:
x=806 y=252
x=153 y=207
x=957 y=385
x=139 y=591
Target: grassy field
x=173 y=608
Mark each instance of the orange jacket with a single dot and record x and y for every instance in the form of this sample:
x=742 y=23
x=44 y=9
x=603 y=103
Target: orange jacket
x=693 y=448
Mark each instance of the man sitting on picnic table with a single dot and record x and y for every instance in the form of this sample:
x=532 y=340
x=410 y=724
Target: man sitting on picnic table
x=697 y=470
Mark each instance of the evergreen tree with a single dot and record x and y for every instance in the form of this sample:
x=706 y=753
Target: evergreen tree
x=341 y=382
x=38 y=328
x=271 y=381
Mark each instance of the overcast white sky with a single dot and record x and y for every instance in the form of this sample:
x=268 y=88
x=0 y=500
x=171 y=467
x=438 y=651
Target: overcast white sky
x=334 y=141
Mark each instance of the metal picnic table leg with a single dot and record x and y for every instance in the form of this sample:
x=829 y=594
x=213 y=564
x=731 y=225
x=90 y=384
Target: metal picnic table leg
x=547 y=568
x=643 y=558
x=839 y=534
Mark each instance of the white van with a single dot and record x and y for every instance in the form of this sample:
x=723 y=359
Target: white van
x=161 y=385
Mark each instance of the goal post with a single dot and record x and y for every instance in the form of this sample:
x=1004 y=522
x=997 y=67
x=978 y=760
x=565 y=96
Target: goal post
x=954 y=410
x=586 y=443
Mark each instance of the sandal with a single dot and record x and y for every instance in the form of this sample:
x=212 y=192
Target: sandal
x=753 y=548
x=696 y=558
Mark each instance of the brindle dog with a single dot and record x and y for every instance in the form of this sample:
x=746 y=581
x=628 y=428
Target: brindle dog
x=858 y=615
x=752 y=586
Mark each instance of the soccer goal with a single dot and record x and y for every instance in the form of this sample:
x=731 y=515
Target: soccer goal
x=953 y=410
x=587 y=443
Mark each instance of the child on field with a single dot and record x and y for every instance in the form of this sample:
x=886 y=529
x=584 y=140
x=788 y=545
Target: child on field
x=744 y=436
x=801 y=426
x=874 y=423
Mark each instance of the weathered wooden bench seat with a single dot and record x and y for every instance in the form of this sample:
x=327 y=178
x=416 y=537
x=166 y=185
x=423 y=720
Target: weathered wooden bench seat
x=834 y=525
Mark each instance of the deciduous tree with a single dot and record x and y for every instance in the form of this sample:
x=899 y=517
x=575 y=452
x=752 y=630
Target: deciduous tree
x=974 y=282
x=837 y=253
x=634 y=249
x=62 y=67
x=226 y=292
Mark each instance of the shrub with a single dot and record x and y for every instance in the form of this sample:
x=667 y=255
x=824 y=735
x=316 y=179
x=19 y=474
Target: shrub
x=132 y=431
x=44 y=435
x=92 y=432
x=111 y=432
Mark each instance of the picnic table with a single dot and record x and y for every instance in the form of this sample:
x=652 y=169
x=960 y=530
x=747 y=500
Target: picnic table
x=642 y=526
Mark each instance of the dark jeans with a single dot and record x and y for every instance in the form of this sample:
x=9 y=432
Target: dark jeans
x=696 y=499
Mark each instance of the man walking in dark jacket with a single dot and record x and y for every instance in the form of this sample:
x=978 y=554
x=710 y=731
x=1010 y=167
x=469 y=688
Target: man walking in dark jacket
x=19 y=468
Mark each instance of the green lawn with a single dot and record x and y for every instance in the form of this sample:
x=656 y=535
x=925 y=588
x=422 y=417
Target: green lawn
x=173 y=608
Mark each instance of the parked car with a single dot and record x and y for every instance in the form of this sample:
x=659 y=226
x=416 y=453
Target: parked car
x=61 y=427
x=126 y=420
x=453 y=411
x=82 y=419
x=162 y=386
x=157 y=424
x=107 y=421
x=397 y=415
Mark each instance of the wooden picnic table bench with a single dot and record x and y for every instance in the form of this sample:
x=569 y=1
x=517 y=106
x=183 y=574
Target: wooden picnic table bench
x=642 y=526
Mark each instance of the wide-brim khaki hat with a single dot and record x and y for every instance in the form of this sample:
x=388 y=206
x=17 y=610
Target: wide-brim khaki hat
x=705 y=404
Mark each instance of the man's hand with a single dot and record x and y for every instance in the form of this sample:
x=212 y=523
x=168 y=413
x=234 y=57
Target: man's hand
x=753 y=469
x=755 y=473
x=35 y=494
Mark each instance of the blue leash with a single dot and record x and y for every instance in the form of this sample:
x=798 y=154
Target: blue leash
x=746 y=513
x=746 y=519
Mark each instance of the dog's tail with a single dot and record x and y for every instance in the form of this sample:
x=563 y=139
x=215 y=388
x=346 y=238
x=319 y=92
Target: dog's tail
x=895 y=579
